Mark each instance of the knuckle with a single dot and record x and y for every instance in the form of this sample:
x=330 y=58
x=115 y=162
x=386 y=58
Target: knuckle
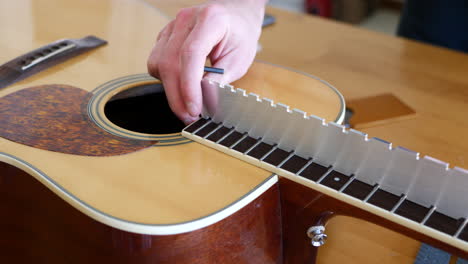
x=191 y=48
x=184 y=14
x=152 y=67
x=213 y=10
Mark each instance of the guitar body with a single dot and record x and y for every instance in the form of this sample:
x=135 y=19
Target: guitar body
x=76 y=187
x=43 y=228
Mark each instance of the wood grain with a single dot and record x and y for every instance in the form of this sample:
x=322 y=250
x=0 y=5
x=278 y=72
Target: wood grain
x=42 y=228
x=303 y=207
x=55 y=118
x=430 y=80
x=378 y=110
x=146 y=183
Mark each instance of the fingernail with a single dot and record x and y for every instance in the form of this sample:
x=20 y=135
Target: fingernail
x=192 y=109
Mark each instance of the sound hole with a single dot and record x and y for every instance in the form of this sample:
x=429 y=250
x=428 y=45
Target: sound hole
x=143 y=109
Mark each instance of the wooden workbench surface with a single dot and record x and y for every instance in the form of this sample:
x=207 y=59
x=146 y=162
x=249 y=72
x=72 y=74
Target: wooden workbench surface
x=430 y=80
x=433 y=81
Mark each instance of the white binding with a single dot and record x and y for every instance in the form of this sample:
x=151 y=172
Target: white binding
x=134 y=227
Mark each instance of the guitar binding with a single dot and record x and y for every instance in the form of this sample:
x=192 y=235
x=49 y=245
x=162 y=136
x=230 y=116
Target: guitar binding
x=333 y=174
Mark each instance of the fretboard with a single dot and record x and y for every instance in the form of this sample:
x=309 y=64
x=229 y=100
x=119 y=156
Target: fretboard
x=422 y=193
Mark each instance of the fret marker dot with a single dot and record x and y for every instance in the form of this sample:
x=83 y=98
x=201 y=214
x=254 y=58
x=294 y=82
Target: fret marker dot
x=336 y=179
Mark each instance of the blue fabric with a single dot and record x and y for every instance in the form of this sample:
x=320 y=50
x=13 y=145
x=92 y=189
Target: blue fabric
x=431 y=255
x=438 y=22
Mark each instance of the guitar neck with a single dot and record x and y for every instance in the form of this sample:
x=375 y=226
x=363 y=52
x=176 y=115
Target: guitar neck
x=422 y=194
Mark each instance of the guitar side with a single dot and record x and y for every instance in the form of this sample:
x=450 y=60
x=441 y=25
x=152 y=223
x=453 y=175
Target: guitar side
x=42 y=227
x=71 y=192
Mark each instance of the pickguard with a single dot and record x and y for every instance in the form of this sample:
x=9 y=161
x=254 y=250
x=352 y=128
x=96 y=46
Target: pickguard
x=54 y=117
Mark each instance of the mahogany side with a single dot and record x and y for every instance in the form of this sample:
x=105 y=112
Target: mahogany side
x=39 y=227
x=302 y=207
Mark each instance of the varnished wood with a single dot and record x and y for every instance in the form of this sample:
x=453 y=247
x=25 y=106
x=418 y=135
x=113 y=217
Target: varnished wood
x=130 y=28
x=360 y=64
x=437 y=228
x=377 y=110
x=252 y=235
x=430 y=80
x=303 y=207
x=54 y=117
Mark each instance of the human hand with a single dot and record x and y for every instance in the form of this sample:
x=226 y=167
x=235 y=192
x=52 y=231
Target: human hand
x=224 y=31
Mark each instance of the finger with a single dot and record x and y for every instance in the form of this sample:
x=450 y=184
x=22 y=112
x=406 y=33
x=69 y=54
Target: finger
x=169 y=63
x=166 y=31
x=158 y=50
x=194 y=52
x=236 y=63
x=174 y=99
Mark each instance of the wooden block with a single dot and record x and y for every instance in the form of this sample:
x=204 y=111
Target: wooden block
x=378 y=110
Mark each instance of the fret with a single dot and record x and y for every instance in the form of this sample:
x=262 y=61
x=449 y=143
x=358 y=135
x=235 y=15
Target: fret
x=252 y=147
x=330 y=169
x=444 y=223
x=214 y=130
x=374 y=190
x=208 y=121
x=330 y=177
x=311 y=160
x=206 y=129
x=384 y=199
x=294 y=164
x=225 y=136
x=231 y=139
x=276 y=157
x=245 y=144
x=359 y=189
x=274 y=147
x=314 y=171
x=347 y=184
x=238 y=141
x=460 y=229
x=335 y=180
x=260 y=150
x=346 y=163
x=428 y=215
x=412 y=210
x=218 y=134
x=196 y=125
x=402 y=199
x=462 y=232
x=286 y=159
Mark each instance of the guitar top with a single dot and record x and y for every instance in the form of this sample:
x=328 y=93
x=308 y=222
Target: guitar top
x=57 y=125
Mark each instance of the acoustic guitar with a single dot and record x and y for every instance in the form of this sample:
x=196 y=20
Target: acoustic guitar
x=94 y=167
